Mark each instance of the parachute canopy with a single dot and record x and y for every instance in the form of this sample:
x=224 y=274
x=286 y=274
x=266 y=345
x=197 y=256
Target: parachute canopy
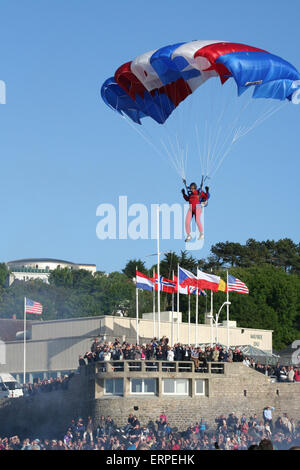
x=155 y=83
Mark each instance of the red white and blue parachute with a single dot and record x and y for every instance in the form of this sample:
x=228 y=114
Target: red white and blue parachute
x=155 y=83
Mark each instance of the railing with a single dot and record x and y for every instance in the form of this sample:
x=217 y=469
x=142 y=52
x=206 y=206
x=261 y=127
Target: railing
x=186 y=367
x=30 y=270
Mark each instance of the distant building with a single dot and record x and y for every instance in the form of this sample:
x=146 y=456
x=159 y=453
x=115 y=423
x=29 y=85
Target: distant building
x=30 y=269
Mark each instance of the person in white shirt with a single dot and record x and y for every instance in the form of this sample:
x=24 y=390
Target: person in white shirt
x=291 y=374
x=267 y=414
x=246 y=362
x=107 y=356
x=170 y=355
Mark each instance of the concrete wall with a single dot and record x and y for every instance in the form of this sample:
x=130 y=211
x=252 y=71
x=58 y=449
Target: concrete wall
x=41 y=356
x=120 y=327
x=239 y=390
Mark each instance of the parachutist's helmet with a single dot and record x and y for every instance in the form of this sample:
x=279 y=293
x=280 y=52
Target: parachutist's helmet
x=193 y=185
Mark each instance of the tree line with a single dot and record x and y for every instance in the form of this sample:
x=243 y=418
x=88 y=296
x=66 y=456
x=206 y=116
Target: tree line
x=270 y=269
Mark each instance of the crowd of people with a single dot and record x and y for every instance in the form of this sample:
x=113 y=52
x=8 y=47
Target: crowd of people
x=229 y=433
x=47 y=385
x=160 y=350
x=278 y=371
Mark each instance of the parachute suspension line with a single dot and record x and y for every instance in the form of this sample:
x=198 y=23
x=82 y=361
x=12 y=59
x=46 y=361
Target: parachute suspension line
x=220 y=143
x=176 y=162
x=142 y=134
x=199 y=150
x=217 y=144
x=205 y=143
x=229 y=140
x=174 y=156
x=219 y=132
x=149 y=141
x=223 y=148
x=171 y=158
x=241 y=132
x=179 y=156
x=209 y=132
x=175 y=153
x=181 y=152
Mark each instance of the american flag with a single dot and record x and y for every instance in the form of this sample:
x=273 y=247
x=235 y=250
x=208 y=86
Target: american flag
x=33 y=307
x=235 y=285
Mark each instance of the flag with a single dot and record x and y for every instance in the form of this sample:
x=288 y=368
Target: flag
x=235 y=285
x=186 y=278
x=208 y=281
x=165 y=285
x=193 y=290
x=189 y=289
x=222 y=286
x=144 y=282
x=33 y=307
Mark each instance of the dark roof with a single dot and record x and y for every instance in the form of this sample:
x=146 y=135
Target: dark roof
x=9 y=327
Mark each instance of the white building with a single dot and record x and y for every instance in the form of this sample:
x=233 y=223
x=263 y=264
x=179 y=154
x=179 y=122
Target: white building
x=40 y=268
x=53 y=346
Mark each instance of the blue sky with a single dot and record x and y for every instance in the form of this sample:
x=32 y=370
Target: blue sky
x=63 y=152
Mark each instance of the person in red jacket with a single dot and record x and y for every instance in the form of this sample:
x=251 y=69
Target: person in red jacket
x=196 y=199
x=297 y=375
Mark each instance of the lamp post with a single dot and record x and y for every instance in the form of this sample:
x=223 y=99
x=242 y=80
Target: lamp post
x=215 y=320
x=217 y=317
x=211 y=319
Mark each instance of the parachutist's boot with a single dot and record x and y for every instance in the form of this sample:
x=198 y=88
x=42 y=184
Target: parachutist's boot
x=201 y=236
x=188 y=238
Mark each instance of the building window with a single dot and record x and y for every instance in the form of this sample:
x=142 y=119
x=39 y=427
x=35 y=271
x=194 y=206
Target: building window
x=175 y=386
x=199 y=387
x=113 y=387
x=143 y=386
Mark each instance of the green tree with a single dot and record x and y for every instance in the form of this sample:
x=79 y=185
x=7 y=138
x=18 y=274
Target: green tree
x=132 y=266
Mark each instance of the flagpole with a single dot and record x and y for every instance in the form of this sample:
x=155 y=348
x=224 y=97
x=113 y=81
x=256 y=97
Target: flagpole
x=24 y=370
x=177 y=302
x=189 y=325
x=227 y=308
x=137 y=313
x=154 y=323
x=172 y=327
x=211 y=317
x=158 y=275
x=197 y=313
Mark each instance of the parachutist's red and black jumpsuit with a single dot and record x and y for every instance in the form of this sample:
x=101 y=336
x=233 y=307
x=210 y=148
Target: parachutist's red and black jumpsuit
x=194 y=199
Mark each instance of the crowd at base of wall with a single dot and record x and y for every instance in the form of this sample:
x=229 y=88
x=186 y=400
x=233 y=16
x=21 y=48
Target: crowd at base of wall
x=240 y=390
x=228 y=433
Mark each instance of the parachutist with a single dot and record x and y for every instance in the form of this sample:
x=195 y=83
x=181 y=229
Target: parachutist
x=196 y=198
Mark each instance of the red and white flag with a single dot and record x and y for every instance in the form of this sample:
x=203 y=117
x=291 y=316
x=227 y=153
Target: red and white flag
x=208 y=281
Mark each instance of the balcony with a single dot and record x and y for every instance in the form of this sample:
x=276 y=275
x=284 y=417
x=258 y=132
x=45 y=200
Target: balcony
x=156 y=367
